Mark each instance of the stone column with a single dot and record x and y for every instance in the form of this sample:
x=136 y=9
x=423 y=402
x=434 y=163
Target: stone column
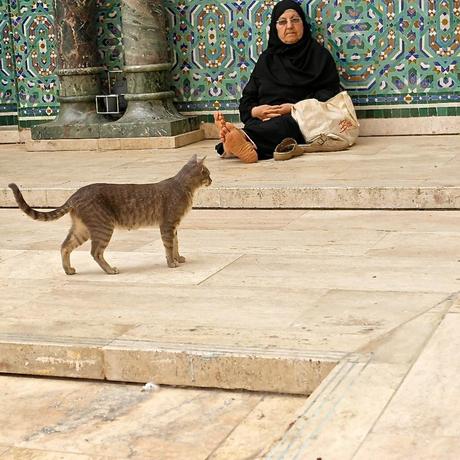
x=150 y=110
x=79 y=71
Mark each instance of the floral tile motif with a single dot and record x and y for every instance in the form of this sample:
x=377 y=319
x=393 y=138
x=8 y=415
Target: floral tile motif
x=33 y=42
x=409 y=50
x=8 y=94
x=109 y=33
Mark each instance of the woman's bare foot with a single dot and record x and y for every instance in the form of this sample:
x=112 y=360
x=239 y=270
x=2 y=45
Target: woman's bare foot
x=224 y=126
x=238 y=144
x=219 y=121
x=234 y=141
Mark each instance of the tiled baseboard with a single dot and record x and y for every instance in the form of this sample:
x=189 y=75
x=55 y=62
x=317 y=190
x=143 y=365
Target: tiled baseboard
x=409 y=126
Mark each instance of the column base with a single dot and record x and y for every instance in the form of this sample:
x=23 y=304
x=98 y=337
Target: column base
x=76 y=120
x=55 y=131
x=160 y=128
x=154 y=128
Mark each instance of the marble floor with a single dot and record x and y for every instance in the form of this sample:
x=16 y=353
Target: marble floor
x=361 y=303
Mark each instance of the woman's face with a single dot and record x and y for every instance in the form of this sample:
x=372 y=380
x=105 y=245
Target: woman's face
x=289 y=27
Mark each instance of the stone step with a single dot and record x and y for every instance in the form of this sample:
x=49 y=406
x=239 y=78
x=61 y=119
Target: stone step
x=178 y=364
x=9 y=135
x=118 y=143
x=270 y=197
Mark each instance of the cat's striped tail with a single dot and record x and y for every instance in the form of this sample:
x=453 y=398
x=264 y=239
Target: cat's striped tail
x=38 y=215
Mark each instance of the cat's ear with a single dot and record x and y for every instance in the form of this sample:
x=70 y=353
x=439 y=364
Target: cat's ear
x=194 y=159
x=202 y=160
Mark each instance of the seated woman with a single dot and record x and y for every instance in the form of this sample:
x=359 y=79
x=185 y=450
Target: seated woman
x=292 y=68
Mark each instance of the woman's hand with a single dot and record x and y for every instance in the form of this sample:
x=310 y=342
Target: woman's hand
x=267 y=112
x=285 y=109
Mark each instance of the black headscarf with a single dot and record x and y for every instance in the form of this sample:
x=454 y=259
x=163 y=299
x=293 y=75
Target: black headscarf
x=275 y=45
x=304 y=64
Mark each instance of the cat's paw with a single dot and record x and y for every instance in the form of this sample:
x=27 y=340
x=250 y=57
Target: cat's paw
x=173 y=264
x=70 y=271
x=181 y=259
x=113 y=271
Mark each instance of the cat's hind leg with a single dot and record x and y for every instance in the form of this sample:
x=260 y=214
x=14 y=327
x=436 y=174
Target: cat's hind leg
x=100 y=238
x=77 y=235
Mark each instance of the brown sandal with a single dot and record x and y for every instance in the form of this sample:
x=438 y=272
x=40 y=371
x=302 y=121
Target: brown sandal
x=287 y=149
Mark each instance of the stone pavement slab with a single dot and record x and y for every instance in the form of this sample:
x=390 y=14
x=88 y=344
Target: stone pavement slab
x=101 y=420
x=422 y=418
x=377 y=173
x=429 y=389
x=272 y=308
x=338 y=418
x=95 y=420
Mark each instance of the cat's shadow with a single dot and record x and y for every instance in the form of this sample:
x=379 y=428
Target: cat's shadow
x=142 y=268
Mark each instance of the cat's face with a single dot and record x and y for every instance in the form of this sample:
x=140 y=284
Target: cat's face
x=200 y=170
x=205 y=175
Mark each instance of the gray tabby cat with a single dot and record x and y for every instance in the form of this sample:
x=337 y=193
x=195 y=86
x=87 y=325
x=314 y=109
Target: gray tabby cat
x=97 y=209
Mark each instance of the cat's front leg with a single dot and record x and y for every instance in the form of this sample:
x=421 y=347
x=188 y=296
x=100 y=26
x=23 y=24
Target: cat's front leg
x=167 y=235
x=177 y=256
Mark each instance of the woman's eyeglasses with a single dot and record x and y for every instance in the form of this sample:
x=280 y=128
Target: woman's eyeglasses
x=283 y=22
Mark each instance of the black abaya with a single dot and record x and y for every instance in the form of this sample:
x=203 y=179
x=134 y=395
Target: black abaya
x=268 y=134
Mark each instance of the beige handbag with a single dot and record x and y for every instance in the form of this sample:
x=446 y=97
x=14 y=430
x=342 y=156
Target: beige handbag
x=327 y=126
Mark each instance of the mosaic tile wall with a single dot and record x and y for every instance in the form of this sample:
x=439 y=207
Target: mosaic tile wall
x=395 y=57
x=8 y=95
x=29 y=86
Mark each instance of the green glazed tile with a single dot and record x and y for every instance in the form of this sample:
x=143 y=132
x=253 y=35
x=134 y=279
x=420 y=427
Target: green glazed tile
x=442 y=111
